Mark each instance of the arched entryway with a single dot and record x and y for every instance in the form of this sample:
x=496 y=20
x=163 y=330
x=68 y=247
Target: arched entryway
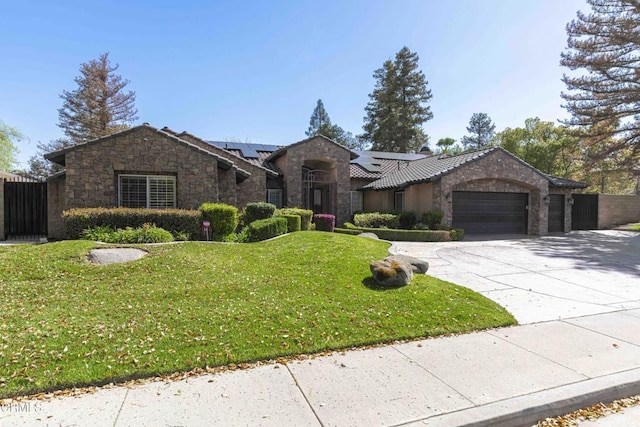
x=319 y=186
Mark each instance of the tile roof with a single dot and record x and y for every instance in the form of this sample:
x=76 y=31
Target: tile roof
x=59 y=155
x=425 y=170
x=556 y=181
x=375 y=168
x=433 y=167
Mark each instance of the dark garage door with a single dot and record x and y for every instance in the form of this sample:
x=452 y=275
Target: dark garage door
x=556 y=213
x=483 y=212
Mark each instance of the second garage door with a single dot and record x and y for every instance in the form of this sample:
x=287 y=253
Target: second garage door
x=484 y=212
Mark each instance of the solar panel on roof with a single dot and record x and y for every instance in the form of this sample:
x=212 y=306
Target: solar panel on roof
x=248 y=150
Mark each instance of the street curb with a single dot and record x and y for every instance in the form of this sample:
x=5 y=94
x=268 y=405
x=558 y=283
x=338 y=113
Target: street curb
x=528 y=409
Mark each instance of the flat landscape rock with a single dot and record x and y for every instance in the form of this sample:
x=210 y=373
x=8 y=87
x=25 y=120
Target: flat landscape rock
x=114 y=255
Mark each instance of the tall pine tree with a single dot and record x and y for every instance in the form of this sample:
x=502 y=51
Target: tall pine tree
x=397 y=106
x=99 y=106
x=603 y=50
x=320 y=124
x=481 y=130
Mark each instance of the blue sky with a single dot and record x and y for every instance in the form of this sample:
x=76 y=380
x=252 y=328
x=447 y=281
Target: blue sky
x=253 y=70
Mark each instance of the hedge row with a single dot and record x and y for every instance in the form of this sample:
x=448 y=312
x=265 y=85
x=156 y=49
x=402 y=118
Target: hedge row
x=304 y=214
x=405 y=220
x=173 y=220
x=293 y=222
x=264 y=229
x=349 y=231
x=411 y=235
x=257 y=210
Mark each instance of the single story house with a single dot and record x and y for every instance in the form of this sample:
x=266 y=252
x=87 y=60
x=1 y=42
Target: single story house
x=487 y=190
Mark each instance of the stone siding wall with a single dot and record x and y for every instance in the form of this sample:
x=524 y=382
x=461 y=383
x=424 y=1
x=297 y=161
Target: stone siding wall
x=617 y=210
x=567 y=206
x=496 y=172
x=92 y=170
x=56 y=191
x=319 y=149
x=252 y=189
x=227 y=186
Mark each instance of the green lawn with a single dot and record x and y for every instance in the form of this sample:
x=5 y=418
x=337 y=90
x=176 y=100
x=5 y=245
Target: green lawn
x=65 y=322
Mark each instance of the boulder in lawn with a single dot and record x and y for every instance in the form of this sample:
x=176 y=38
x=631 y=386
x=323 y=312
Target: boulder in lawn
x=419 y=266
x=391 y=274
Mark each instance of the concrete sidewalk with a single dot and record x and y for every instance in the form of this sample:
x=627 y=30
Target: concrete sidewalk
x=576 y=296
x=510 y=376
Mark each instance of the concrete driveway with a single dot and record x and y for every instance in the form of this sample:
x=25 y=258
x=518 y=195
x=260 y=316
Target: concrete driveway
x=542 y=278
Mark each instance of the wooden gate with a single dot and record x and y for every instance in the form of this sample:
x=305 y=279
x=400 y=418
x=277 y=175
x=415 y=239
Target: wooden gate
x=25 y=210
x=584 y=212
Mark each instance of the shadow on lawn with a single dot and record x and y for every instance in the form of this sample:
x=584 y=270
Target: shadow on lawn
x=370 y=283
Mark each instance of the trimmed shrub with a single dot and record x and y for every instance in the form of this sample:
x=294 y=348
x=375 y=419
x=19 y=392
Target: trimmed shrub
x=433 y=219
x=408 y=235
x=347 y=231
x=264 y=229
x=172 y=220
x=293 y=222
x=457 y=234
x=406 y=220
x=223 y=219
x=258 y=210
x=324 y=222
x=305 y=216
x=100 y=233
x=146 y=234
x=376 y=220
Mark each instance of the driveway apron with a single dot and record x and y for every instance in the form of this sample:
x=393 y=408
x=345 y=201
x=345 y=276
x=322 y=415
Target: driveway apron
x=546 y=278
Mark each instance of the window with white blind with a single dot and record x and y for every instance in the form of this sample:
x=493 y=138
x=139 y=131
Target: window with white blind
x=147 y=191
x=274 y=196
x=356 y=201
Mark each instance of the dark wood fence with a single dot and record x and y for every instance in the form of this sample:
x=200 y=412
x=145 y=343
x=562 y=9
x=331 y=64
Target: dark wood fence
x=584 y=212
x=25 y=210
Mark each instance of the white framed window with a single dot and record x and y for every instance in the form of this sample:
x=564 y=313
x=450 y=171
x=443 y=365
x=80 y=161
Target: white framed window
x=356 y=201
x=274 y=196
x=147 y=191
x=398 y=201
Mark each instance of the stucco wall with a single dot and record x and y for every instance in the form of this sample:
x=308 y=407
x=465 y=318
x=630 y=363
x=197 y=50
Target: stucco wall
x=617 y=210
x=418 y=198
x=358 y=183
x=375 y=201
x=92 y=169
